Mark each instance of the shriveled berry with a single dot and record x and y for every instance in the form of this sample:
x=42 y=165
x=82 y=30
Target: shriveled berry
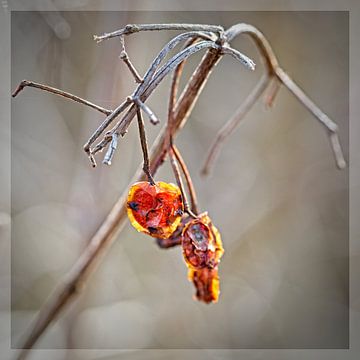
x=201 y=243
x=155 y=209
x=202 y=250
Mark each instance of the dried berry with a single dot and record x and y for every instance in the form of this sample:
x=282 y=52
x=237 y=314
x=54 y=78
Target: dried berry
x=155 y=209
x=202 y=250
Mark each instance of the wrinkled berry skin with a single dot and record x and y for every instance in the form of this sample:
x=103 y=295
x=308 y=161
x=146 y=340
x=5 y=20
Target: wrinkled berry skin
x=202 y=250
x=206 y=282
x=155 y=209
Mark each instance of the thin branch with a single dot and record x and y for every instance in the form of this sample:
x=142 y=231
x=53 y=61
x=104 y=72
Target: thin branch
x=144 y=147
x=152 y=117
x=105 y=124
x=125 y=58
x=59 y=92
x=132 y=28
x=100 y=243
x=190 y=185
x=175 y=84
x=245 y=60
x=176 y=171
x=230 y=126
x=272 y=92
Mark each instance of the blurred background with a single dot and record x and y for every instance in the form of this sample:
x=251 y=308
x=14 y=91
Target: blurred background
x=275 y=193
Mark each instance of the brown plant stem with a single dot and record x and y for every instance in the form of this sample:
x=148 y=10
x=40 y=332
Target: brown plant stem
x=144 y=147
x=190 y=185
x=62 y=93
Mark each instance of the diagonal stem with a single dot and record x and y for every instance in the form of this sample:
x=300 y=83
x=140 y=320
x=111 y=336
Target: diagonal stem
x=59 y=92
x=144 y=147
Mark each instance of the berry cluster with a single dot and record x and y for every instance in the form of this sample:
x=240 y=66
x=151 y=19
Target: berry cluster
x=158 y=210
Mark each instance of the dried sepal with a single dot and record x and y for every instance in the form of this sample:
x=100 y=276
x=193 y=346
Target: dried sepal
x=155 y=209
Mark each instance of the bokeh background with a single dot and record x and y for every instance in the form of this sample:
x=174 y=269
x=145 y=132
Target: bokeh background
x=275 y=193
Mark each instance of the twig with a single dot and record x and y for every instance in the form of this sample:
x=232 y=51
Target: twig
x=144 y=147
x=175 y=168
x=125 y=58
x=190 y=185
x=245 y=60
x=62 y=93
x=233 y=123
x=273 y=90
x=132 y=28
x=152 y=117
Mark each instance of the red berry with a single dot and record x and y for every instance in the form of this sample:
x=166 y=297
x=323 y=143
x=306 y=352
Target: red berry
x=155 y=209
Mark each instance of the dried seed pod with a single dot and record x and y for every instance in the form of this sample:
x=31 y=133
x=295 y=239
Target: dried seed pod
x=155 y=209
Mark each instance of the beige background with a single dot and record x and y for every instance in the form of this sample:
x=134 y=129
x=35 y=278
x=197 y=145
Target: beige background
x=284 y=275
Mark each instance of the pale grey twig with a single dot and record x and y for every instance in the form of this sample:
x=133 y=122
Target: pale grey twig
x=125 y=58
x=152 y=117
x=134 y=28
x=111 y=150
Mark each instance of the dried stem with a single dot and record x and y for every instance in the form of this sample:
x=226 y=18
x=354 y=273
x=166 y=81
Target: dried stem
x=152 y=117
x=272 y=92
x=144 y=147
x=125 y=58
x=132 y=28
x=176 y=170
x=62 y=93
x=190 y=185
x=233 y=123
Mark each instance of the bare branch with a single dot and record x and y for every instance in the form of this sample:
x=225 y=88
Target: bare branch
x=233 y=123
x=134 y=28
x=125 y=57
x=152 y=117
x=190 y=185
x=176 y=171
x=59 y=92
x=144 y=147
x=105 y=124
x=272 y=92
x=245 y=60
